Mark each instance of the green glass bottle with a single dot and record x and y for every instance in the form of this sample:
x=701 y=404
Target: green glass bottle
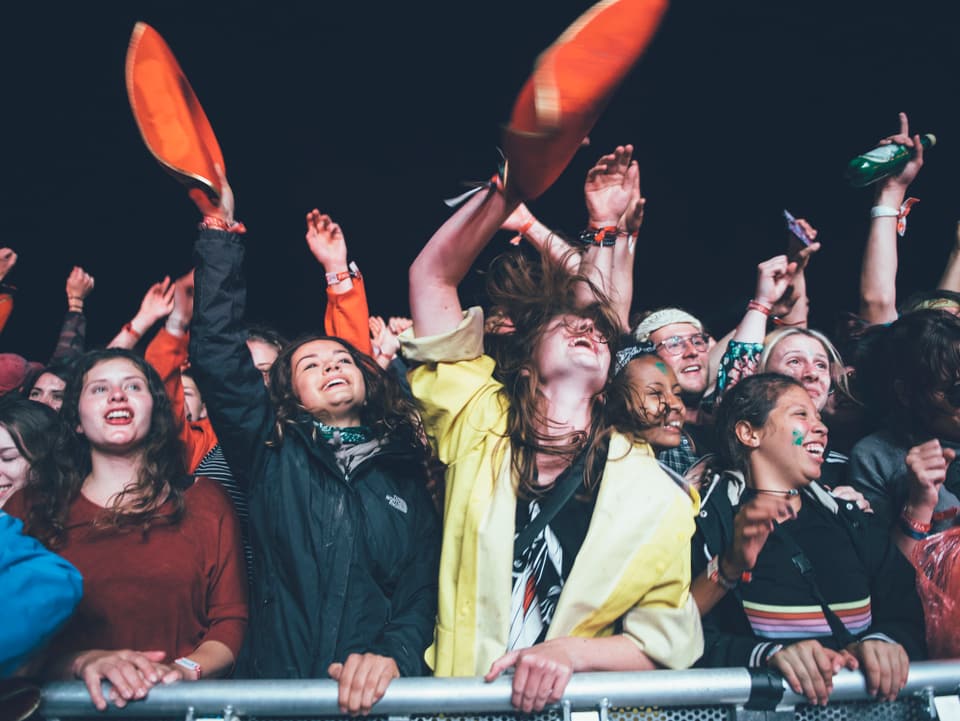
x=883 y=161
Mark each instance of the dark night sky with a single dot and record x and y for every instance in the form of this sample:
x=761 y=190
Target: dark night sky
x=375 y=112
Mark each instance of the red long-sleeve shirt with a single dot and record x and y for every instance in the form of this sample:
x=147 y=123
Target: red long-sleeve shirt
x=170 y=589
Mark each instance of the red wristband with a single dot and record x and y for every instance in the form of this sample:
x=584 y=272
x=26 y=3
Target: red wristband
x=759 y=307
x=132 y=331
x=212 y=222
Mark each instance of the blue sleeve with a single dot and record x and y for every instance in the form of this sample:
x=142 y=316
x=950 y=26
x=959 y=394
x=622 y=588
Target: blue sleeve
x=40 y=590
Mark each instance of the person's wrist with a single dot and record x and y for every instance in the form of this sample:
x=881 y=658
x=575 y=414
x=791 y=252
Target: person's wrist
x=140 y=324
x=75 y=303
x=761 y=305
x=890 y=194
x=919 y=509
x=77 y=664
x=177 y=324
x=729 y=570
x=604 y=222
x=335 y=266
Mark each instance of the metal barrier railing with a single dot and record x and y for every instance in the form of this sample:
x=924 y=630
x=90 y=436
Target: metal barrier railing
x=732 y=693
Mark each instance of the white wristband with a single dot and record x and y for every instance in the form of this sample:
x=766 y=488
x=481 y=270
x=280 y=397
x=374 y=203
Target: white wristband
x=884 y=211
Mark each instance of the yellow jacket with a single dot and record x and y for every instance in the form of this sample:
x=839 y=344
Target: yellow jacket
x=634 y=565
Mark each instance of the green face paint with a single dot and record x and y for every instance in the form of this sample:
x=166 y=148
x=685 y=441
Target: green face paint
x=797 y=438
x=661 y=366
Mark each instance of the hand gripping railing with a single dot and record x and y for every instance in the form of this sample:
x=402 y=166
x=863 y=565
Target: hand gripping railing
x=729 y=687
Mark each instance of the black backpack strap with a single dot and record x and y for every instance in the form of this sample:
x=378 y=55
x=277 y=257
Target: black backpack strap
x=569 y=481
x=802 y=564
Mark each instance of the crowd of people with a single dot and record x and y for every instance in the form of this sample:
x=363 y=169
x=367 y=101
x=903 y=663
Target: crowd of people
x=549 y=484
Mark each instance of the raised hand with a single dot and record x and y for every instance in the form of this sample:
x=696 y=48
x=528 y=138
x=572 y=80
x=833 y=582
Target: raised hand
x=901 y=181
x=182 y=314
x=608 y=188
x=79 y=285
x=222 y=208
x=326 y=242
x=773 y=279
x=799 y=253
x=752 y=525
x=156 y=304
x=398 y=325
x=927 y=470
x=8 y=259
x=385 y=343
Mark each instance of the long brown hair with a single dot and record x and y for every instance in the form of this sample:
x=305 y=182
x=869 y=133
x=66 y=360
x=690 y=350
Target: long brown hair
x=160 y=477
x=531 y=294
x=387 y=411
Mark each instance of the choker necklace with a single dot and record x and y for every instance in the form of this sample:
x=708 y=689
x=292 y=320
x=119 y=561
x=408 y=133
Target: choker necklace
x=790 y=493
x=354 y=434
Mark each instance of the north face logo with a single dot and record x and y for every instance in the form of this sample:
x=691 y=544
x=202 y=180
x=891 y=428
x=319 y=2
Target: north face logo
x=398 y=503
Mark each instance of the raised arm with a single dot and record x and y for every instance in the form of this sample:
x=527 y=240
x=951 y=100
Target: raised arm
x=612 y=195
x=231 y=386
x=523 y=222
x=878 y=275
x=951 y=273
x=73 y=332
x=347 y=314
x=794 y=306
x=168 y=353
x=446 y=259
x=7 y=260
x=157 y=303
x=742 y=352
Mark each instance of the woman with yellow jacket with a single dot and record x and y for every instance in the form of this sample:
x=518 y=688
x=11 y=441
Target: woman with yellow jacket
x=601 y=580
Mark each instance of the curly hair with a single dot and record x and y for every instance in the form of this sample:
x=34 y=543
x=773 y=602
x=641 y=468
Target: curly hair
x=915 y=365
x=61 y=474
x=388 y=411
x=625 y=409
x=531 y=295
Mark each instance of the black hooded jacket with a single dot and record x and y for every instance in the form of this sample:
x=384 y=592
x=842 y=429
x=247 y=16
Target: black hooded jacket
x=342 y=563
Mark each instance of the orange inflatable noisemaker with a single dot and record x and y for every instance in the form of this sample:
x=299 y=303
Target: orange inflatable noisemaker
x=171 y=119
x=571 y=84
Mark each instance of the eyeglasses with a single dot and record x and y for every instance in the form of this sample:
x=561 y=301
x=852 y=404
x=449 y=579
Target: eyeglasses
x=676 y=344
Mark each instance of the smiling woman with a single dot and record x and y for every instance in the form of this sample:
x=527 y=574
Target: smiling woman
x=344 y=533
x=818 y=587
x=114 y=499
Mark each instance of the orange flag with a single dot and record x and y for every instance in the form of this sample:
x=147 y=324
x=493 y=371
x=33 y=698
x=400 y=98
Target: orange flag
x=571 y=84
x=171 y=120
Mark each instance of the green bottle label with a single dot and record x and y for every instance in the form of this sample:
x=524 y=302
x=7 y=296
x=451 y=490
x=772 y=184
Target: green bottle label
x=882 y=153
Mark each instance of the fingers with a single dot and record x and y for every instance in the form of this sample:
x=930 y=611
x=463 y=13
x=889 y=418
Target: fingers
x=127 y=682
x=386 y=676
x=904 y=124
x=362 y=679
x=522 y=696
x=346 y=680
x=358 y=688
x=92 y=681
x=807 y=669
x=501 y=665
